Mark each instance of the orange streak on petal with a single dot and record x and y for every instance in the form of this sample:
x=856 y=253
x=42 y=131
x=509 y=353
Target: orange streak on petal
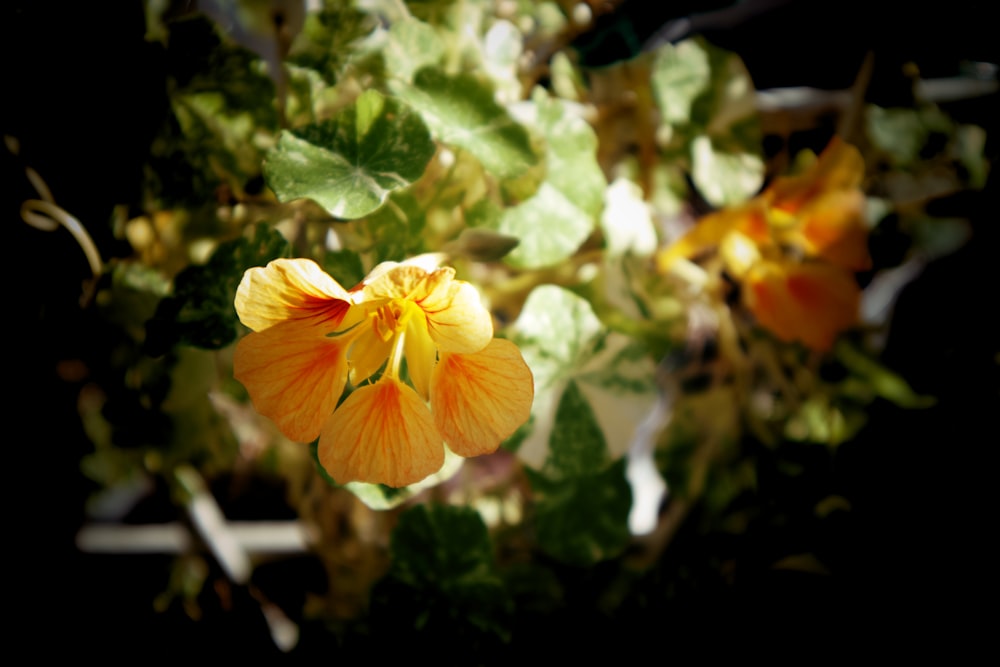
x=834 y=228
x=382 y=434
x=293 y=378
x=480 y=399
x=290 y=289
x=810 y=303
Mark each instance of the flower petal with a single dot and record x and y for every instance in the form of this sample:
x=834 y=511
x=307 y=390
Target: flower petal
x=833 y=227
x=480 y=399
x=382 y=434
x=839 y=167
x=456 y=317
x=368 y=353
x=293 y=377
x=290 y=289
x=810 y=302
x=457 y=320
x=421 y=354
x=748 y=219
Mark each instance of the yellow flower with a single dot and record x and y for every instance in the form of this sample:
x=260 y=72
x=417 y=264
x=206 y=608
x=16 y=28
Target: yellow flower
x=310 y=336
x=794 y=247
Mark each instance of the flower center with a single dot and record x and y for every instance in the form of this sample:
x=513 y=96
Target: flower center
x=389 y=321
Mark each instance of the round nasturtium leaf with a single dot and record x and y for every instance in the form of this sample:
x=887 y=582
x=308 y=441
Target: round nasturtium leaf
x=462 y=112
x=350 y=163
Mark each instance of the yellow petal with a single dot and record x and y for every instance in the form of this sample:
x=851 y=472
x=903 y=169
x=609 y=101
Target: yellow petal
x=390 y=280
x=382 y=434
x=811 y=303
x=293 y=377
x=748 y=219
x=290 y=289
x=480 y=399
x=367 y=354
x=457 y=321
x=421 y=354
x=839 y=167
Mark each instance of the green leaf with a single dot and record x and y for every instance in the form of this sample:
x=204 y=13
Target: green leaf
x=571 y=152
x=461 y=111
x=681 y=74
x=442 y=586
x=549 y=226
x=222 y=116
x=884 y=382
x=725 y=174
x=345 y=266
x=569 y=350
x=201 y=312
x=561 y=214
x=707 y=101
x=435 y=543
x=410 y=46
x=902 y=133
x=577 y=446
x=330 y=38
x=582 y=520
x=351 y=163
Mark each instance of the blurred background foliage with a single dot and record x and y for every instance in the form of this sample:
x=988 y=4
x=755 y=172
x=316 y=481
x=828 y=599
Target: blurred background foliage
x=549 y=149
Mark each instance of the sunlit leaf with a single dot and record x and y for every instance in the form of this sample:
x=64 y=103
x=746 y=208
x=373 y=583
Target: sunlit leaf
x=351 y=163
x=681 y=73
x=549 y=228
x=461 y=112
x=707 y=99
x=725 y=176
x=410 y=46
x=561 y=215
x=570 y=350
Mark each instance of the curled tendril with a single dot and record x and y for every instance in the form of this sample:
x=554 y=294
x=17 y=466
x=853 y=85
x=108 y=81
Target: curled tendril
x=46 y=215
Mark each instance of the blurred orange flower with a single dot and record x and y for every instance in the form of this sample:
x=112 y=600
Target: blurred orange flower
x=795 y=248
x=310 y=336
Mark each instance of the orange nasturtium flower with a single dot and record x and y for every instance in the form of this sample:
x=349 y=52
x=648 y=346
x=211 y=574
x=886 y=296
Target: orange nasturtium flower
x=795 y=248
x=310 y=336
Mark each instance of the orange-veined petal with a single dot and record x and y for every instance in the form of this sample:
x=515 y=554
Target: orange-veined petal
x=480 y=399
x=833 y=227
x=293 y=377
x=457 y=320
x=839 y=167
x=810 y=302
x=382 y=433
x=290 y=289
